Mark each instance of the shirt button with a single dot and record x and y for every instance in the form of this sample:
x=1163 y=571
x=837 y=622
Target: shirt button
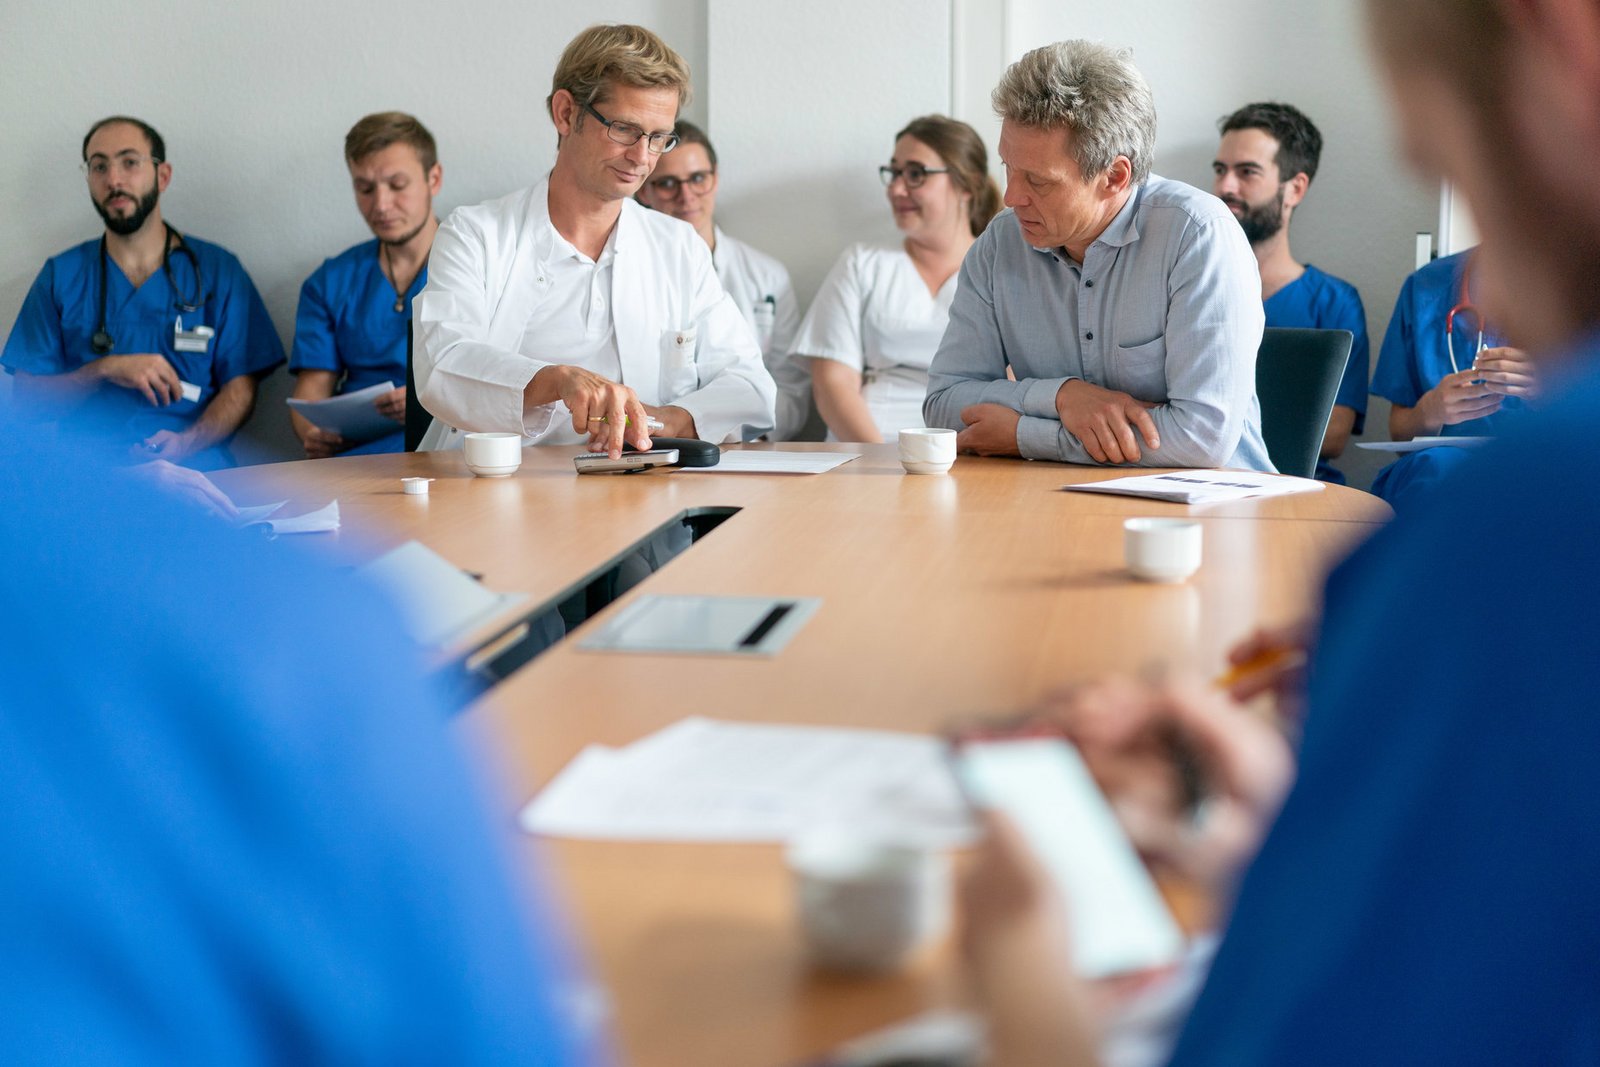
x=1088 y=283
x=1089 y=336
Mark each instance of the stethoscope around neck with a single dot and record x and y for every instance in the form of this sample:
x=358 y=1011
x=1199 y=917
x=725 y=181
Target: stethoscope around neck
x=102 y=342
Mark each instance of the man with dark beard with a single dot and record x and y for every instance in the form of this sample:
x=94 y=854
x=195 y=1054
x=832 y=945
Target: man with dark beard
x=1268 y=156
x=164 y=336
x=355 y=311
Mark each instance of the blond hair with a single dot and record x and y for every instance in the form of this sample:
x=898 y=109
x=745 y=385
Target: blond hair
x=604 y=54
x=378 y=131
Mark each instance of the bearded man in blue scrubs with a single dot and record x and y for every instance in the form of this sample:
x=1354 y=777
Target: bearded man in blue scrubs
x=164 y=331
x=1264 y=166
x=355 y=311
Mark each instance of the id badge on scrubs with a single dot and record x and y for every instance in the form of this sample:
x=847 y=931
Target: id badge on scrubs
x=195 y=340
x=765 y=314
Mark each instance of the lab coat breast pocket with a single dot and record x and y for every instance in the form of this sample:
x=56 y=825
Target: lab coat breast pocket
x=679 y=373
x=1141 y=370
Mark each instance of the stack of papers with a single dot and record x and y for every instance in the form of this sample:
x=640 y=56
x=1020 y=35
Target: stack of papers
x=703 y=780
x=1200 y=486
x=775 y=463
x=352 y=416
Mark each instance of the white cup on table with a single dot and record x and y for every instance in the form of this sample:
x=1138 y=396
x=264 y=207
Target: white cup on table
x=493 y=455
x=865 y=905
x=927 y=449
x=1161 y=550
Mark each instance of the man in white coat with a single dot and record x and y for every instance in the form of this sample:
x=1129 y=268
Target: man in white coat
x=568 y=313
x=684 y=185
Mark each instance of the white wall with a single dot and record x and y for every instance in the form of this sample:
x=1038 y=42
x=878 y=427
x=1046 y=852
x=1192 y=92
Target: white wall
x=802 y=100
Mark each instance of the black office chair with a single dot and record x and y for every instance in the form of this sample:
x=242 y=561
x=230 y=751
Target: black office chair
x=1297 y=378
x=417 y=417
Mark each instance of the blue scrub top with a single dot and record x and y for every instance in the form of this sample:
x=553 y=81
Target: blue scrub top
x=62 y=311
x=240 y=828
x=1319 y=301
x=1428 y=893
x=347 y=324
x=1415 y=354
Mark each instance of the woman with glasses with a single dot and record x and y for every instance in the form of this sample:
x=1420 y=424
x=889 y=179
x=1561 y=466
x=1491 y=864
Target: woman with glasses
x=878 y=318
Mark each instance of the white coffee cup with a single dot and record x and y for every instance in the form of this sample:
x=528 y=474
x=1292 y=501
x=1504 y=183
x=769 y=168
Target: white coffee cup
x=1161 y=550
x=865 y=905
x=415 y=486
x=493 y=455
x=927 y=449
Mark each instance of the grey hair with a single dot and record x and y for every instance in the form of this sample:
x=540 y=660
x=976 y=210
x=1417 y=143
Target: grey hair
x=1093 y=90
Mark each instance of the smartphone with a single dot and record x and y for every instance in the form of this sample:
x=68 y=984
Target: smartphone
x=1119 y=921
x=628 y=463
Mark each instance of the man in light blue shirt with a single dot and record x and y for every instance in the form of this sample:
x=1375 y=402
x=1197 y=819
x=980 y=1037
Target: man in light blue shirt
x=1127 y=307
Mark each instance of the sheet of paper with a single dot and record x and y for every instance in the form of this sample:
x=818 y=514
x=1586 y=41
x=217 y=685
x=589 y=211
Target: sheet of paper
x=705 y=780
x=1200 y=486
x=351 y=415
x=774 y=463
x=438 y=601
x=324 y=520
x=1417 y=444
x=256 y=513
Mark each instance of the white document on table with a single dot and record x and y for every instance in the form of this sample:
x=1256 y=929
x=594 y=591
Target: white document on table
x=324 y=520
x=352 y=416
x=1200 y=486
x=705 y=780
x=438 y=601
x=775 y=463
x=1417 y=444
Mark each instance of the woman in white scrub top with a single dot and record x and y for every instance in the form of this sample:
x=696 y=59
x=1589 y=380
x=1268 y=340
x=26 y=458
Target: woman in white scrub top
x=878 y=318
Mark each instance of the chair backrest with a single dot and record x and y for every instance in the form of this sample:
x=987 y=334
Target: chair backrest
x=417 y=417
x=1297 y=378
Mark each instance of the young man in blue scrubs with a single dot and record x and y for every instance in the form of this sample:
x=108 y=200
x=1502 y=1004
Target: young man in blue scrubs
x=165 y=327
x=1448 y=372
x=355 y=311
x=1264 y=167
x=1425 y=894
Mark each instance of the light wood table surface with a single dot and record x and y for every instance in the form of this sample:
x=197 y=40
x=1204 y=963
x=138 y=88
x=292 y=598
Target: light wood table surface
x=943 y=597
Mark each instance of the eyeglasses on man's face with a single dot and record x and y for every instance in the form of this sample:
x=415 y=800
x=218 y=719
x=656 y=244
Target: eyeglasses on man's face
x=699 y=181
x=629 y=134
x=914 y=174
x=126 y=163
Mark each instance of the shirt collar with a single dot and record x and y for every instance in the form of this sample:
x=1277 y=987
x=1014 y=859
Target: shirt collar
x=548 y=244
x=1123 y=229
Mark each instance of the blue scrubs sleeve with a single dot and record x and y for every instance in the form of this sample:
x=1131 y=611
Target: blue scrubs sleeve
x=35 y=344
x=1396 y=379
x=246 y=341
x=314 y=345
x=1353 y=385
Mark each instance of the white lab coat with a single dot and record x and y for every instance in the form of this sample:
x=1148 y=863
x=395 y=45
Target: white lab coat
x=681 y=339
x=761 y=288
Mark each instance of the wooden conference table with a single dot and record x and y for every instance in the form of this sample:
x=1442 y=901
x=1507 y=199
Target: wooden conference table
x=975 y=592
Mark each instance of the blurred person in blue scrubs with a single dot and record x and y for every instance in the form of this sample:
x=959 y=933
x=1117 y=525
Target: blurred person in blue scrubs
x=167 y=326
x=1266 y=161
x=1448 y=372
x=213 y=859
x=355 y=311
x=1423 y=891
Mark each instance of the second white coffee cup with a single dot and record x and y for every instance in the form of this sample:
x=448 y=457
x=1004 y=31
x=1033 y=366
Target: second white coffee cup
x=865 y=905
x=927 y=449
x=493 y=455
x=1161 y=550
